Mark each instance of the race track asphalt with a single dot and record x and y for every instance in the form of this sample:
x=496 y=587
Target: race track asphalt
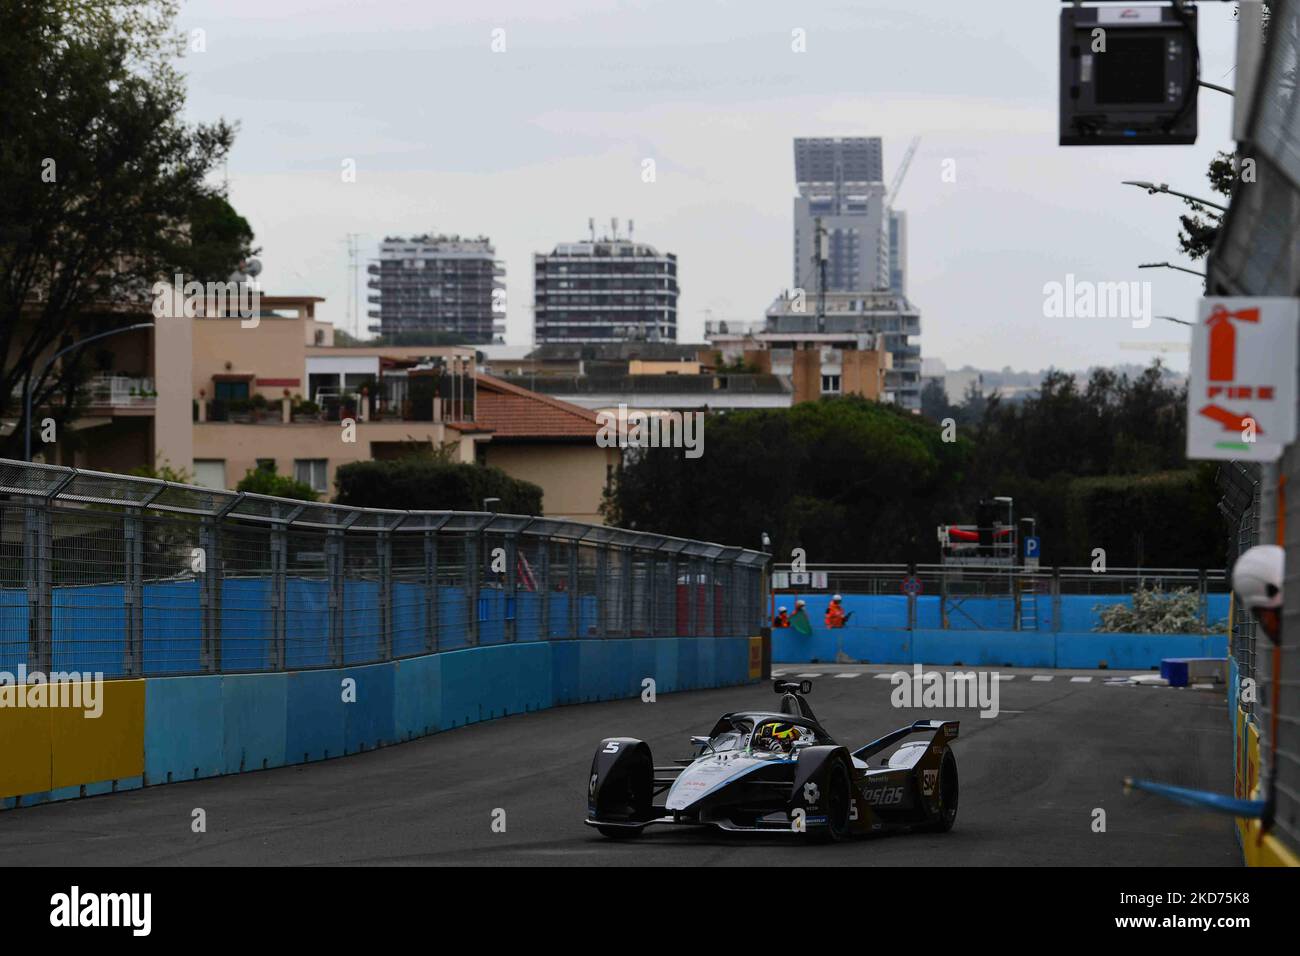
x=1030 y=781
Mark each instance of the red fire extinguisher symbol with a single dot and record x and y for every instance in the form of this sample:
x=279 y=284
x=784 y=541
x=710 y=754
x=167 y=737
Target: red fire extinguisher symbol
x=1223 y=341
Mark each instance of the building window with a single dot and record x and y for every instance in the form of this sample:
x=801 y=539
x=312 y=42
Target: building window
x=210 y=472
x=311 y=471
x=830 y=384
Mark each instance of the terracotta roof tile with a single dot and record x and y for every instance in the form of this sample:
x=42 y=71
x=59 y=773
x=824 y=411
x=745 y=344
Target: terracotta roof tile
x=514 y=412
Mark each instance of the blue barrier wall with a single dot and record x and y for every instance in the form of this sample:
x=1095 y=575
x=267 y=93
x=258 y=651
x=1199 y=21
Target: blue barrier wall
x=197 y=727
x=993 y=647
x=1078 y=612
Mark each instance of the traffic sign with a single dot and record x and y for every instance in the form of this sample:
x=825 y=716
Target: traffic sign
x=1033 y=548
x=1241 y=391
x=911 y=585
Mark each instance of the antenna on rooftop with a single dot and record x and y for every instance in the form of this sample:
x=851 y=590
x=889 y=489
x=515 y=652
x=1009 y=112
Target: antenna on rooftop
x=591 y=227
x=630 y=225
x=613 y=225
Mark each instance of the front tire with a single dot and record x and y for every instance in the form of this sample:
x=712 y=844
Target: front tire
x=838 y=798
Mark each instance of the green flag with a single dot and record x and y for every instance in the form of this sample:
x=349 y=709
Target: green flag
x=800 y=622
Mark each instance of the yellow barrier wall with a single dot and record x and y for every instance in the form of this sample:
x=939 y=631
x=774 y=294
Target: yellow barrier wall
x=25 y=761
x=45 y=748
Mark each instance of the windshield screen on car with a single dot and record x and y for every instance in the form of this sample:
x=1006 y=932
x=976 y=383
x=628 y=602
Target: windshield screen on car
x=731 y=740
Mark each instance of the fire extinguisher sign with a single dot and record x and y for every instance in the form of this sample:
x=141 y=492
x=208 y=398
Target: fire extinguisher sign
x=1241 y=393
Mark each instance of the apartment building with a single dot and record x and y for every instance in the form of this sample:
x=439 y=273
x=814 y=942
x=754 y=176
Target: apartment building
x=851 y=350
x=438 y=283
x=219 y=396
x=606 y=290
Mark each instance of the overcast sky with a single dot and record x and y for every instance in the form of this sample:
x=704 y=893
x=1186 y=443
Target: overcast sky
x=526 y=144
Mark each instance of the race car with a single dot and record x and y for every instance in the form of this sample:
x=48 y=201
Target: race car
x=780 y=771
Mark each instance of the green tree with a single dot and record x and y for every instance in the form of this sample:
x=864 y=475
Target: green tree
x=265 y=481
x=104 y=188
x=1197 y=236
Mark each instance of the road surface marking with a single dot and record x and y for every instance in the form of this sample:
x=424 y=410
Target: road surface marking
x=808 y=675
x=1043 y=677
x=1006 y=677
x=1080 y=680
x=848 y=675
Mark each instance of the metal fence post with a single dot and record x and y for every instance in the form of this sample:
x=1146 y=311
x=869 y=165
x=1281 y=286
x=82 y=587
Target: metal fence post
x=40 y=586
x=692 y=598
x=911 y=599
x=210 y=594
x=133 y=591
x=574 y=616
x=280 y=595
x=384 y=560
x=335 y=550
x=431 y=591
x=629 y=587
x=1056 y=599
x=710 y=626
x=510 y=610
x=1202 y=600
x=943 y=599
x=651 y=589
x=471 y=584
x=602 y=584
x=543 y=579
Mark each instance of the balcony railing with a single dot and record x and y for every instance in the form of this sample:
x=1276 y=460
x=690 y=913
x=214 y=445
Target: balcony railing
x=121 y=390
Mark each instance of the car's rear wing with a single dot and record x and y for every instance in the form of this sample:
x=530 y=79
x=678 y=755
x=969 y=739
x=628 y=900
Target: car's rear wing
x=942 y=730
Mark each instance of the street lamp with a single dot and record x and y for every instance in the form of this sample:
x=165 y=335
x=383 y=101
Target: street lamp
x=1170 y=265
x=27 y=384
x=489 y=502
x=1153 y=188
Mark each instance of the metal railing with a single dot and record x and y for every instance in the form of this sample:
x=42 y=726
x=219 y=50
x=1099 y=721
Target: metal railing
x=994 y=597
x=139 y=577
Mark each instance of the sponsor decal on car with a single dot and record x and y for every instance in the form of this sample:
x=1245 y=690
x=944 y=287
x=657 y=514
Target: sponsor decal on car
x=928 y=780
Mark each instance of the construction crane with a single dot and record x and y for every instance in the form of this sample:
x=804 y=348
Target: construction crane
x=883 y=261
x=900 y=173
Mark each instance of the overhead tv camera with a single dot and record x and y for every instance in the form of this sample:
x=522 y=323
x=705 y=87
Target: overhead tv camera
x=1129 y=74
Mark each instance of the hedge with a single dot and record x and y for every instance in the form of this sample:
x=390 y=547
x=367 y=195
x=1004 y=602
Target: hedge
x=424 y=484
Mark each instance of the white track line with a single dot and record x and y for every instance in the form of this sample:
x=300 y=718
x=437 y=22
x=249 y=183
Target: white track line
x=1080 y=680
x=842 y=676
x=807 y=675
x=1043 y=677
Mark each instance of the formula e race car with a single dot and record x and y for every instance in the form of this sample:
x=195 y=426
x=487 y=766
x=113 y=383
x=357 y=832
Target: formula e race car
x=780 y=771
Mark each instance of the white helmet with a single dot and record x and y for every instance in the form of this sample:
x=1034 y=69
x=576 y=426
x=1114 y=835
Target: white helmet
x=781 y=608
x=800 y=602
x=837 y=598
x=1257 y=576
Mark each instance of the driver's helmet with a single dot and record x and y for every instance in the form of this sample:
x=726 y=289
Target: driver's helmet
x=779 y=735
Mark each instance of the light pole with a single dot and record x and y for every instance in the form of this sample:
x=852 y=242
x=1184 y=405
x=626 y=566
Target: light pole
x=1153 y=188
x=27 y=384
x=1170 y=265
x=489 y=502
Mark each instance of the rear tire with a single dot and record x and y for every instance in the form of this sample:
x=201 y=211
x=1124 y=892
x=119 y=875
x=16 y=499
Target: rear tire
x=948 y=793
